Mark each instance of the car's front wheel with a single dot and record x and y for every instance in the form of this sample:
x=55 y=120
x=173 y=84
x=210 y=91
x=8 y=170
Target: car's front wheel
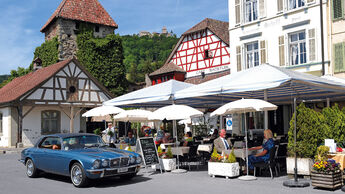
x=31 y=170
x=78 y=175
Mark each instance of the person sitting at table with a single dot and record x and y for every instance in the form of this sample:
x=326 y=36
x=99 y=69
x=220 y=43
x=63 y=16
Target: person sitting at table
x=265 y=154
x=130 y=139
x=214 y=135
x=221 y=143
x=188 y=139
x=167 y=138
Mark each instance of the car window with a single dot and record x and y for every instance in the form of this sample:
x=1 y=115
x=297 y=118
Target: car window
x=78 y=142
x=51 y=143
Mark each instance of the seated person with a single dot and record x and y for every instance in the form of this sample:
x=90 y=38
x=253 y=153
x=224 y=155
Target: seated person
x=188 y=139
x=214 y=135
x=130 y=139
x=265 y=154
x=159 y=137
x=56 y=147
x=221 y=144
x=167 y=138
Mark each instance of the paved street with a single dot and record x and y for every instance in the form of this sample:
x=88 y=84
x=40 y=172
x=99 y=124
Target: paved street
x=13 y=180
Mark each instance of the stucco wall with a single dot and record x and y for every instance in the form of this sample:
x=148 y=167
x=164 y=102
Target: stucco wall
x=32 y=123
x=5 y=137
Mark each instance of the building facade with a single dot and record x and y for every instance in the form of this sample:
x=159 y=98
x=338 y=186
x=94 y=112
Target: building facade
x=46 y=101
x=202 y=52
x=337 y=37
x=69 y=19
x=284 y=33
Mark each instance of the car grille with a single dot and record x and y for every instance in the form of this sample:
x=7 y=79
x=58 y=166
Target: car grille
x=119 y=162
x=114 y=172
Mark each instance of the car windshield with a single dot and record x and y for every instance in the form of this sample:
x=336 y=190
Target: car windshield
x=79 y=142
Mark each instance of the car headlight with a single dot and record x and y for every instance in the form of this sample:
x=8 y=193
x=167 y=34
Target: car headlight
x=132 y=159
x=139 y=159
x=105 y=163
x=96 y=164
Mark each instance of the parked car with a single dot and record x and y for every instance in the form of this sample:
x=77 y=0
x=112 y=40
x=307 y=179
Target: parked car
x=80 y=156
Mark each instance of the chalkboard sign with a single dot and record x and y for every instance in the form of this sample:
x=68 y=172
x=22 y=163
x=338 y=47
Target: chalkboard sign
x=148 y=151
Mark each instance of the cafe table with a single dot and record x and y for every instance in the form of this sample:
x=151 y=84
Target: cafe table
x=338 y=157
x=166 y=145
x=180 y=150
x=241 y=152
x=205 y=148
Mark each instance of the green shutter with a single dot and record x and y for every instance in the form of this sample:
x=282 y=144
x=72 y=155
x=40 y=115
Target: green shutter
x=337 y=9
x=338 y=57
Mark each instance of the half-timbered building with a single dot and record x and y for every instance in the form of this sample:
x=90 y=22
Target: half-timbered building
x=47 y=100
x=202 y=52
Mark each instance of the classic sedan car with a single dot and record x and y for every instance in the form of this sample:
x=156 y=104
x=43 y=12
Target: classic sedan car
x=80 y=156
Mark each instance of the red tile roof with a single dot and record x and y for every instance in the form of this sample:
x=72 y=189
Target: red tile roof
x=167 y=68
x=21 y=85
x=219 y=28
x=82 y=10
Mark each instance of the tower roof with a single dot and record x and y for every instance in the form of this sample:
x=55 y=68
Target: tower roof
x=82 y=10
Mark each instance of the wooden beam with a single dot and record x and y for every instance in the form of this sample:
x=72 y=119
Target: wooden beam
x=27 y=112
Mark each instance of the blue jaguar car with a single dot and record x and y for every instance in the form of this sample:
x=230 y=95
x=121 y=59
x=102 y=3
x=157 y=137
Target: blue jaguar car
x=80 y=156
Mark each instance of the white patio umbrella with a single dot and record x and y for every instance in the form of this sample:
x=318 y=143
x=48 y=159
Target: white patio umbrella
x=135 y=115
x=102 y=111
x=244 y=106
x=176 y=112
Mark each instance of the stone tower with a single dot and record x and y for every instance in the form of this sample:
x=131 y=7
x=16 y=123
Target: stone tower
x=66 y=21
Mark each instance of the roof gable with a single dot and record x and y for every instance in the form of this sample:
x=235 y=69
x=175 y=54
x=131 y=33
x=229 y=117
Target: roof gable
x=28 y=84
x=82 y=10
x=167 y=68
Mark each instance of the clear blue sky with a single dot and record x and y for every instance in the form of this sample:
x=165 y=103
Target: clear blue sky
x=21 y=21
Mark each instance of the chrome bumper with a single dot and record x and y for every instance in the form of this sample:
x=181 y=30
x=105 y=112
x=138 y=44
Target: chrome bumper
x=105 y=172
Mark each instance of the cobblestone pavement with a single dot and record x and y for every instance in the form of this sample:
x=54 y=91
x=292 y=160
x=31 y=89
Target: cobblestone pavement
x=13 y=180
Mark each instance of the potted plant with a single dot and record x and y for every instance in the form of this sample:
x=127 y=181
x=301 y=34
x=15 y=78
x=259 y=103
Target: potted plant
x=223 y=165
x=166 y=160
x=309 y=133
x=326 y=173
x=97 y=131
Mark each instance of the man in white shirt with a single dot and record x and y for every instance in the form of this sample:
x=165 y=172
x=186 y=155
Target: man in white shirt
x=221 y=144
x=110 y=139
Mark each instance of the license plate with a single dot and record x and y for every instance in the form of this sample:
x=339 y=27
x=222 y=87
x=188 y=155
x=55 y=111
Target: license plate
x=122 y=170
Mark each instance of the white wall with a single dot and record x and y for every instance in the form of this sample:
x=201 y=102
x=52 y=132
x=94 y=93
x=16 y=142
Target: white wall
x=271 y=27
x=32 y=123
x=6 y=126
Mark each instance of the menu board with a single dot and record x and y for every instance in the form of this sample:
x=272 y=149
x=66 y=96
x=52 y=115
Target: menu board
x=148 y=151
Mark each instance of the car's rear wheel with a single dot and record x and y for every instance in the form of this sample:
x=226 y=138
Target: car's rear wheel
x=128 y=176
x=78 y=175
x=31 y=170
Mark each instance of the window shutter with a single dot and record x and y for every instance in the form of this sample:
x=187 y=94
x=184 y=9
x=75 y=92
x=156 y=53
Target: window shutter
x=262 y=8
x=312 y=46
x=238 y=58
x=338 y=56
x=281 y=51
x=280 y=4
x=337 y=9
x=238 y=11
x=263 y=52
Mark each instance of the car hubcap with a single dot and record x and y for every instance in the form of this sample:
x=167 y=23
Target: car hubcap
x=30 y=167
x=76 y=175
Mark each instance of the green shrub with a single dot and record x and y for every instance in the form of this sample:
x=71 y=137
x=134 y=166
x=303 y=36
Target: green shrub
x=97 y=131
x=169 y=153
x=321 y=153
x=231 y=157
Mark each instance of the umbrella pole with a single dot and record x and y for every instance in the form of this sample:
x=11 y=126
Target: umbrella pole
x=295 y=182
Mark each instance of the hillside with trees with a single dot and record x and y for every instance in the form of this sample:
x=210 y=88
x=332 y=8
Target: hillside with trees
x=145 y=54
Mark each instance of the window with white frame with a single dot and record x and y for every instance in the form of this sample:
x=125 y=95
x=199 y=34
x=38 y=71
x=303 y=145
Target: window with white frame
x=252 y=54
x=50 y=122
x=250 y=10
x=293 y=4
x=297 y=48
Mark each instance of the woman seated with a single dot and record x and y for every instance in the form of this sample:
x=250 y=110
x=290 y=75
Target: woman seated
x=265 y=154
x=188 y=139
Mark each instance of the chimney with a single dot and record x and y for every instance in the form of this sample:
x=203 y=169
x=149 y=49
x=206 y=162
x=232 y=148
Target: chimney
x=37 y=64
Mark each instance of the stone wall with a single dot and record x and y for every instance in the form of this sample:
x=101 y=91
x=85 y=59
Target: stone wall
x=66 y=30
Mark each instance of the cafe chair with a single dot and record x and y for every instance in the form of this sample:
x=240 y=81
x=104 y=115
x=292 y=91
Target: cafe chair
x=271 y=163
x=193 y=156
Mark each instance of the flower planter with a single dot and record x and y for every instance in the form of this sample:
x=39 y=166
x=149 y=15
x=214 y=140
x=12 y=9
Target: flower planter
x=304 y=165
x=223 y=169
x=166 y=164
x=331 y=180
